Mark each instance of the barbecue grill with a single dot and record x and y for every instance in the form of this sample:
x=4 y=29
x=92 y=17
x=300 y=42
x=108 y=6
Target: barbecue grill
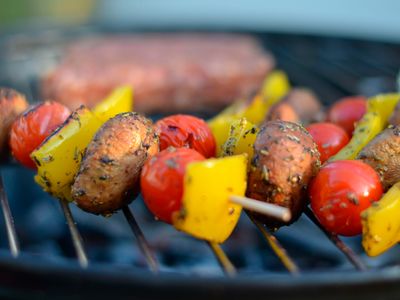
x=39 y=259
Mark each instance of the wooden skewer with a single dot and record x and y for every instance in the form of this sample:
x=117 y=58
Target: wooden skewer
x=268 y=209
x=225 y=263
x=143 y=244
x=354 y=259
x=11 y=233
x=76 y=236
x=278 y=249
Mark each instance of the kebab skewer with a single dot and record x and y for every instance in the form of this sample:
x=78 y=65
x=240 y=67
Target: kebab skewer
x=67 y=144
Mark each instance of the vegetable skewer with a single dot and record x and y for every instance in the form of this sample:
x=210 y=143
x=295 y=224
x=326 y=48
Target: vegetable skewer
x=192 y=132
x=241 y=140
x=63 y=147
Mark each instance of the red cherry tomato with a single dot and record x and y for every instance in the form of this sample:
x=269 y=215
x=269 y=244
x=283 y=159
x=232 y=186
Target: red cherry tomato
x=347 y=111
x=31 y=128
x=329 y=138
x=186 y=131
x=340 y=192
x=162 y=180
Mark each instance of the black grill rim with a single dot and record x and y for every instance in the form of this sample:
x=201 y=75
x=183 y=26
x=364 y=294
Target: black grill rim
x=27 y=276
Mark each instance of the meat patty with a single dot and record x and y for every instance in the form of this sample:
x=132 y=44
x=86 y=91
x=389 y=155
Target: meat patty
x=12 y=104
x=285 y=159
x=169 y=72
x=383 y=155
x=109 y=174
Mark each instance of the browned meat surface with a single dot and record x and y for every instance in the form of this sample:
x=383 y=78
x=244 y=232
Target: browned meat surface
x=110 y=171
x=169 y=72
x=383 y=154
x=305 y=103
x=284 y=112
x=285 y=159
x=12 y=104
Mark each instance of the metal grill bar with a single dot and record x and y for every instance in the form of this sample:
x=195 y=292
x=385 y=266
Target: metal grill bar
x=9 y=221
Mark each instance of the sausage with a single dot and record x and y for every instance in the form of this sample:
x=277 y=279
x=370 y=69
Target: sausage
x=285 y=159
x=109 y=174
x=12 y=104
x=383 y=155
x=305 y=103
x=283 y=111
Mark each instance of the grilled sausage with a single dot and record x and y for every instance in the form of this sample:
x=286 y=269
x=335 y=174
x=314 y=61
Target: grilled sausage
x=12 y=104
x=383 y=154
x=285 y=159
x=110 y=170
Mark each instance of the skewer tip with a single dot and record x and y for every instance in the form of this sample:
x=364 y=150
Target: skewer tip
x=268 y=209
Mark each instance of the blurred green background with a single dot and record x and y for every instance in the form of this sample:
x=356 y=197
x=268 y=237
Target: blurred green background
x=29 y=12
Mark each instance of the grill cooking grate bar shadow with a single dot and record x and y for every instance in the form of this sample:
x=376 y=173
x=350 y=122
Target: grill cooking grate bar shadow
x=9 y=221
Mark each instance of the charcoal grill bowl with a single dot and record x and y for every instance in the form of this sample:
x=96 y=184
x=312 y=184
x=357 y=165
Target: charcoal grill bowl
x=26 y=278
x=33 y=278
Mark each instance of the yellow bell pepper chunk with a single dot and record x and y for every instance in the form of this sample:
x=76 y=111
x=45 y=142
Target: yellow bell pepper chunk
x=379 y=110
x=367 y=128
x=256 y=111
x=206 y=210
x=241 y=138
x=119 y=101
x=58 y=158
x=220 y=130
x=383 y=105
x=381 y=223
x=275 y=86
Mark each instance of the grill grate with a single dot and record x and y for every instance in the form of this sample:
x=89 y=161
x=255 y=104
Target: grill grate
x=332 y=67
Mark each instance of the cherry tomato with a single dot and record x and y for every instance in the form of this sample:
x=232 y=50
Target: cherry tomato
x=340 y=192
x=162 y=180
x=31 y=128
x=329 y=138
x=347 y=111
x=186 y=131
